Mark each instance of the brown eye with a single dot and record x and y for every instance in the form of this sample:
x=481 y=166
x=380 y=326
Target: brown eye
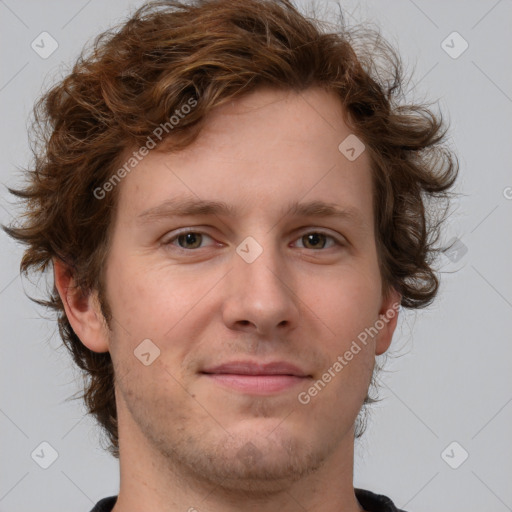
x=190 y=240
x=318 y=240
x=314 y=240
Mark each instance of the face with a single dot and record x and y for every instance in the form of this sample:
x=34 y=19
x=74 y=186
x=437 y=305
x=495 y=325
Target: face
x=249 y=299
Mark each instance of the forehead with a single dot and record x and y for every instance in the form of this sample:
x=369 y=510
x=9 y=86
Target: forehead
x=261 y=151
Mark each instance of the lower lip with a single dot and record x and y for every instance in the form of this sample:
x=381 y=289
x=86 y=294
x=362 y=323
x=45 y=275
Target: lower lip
x=256 y=384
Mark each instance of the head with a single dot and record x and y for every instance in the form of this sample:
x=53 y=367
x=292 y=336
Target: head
x=243 y=104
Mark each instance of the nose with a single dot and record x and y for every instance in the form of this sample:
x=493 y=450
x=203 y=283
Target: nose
x=260 y=295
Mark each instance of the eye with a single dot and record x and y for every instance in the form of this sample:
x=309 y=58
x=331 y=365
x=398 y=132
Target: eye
x=318 y=240
x=187 y=240
x=190 y=240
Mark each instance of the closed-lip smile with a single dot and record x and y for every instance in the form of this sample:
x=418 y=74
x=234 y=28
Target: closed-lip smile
x=257 y=378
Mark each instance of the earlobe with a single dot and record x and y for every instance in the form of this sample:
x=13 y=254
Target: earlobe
x=82 y=310
x=388 y=316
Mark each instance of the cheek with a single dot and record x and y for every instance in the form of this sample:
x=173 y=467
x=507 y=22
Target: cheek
x=347 y=308
x=153 y=394
x=149 y=303
x=346 y=304
x=335 y=398
x=167 y=306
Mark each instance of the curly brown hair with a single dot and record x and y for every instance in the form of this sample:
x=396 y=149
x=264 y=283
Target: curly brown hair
x=134 y=77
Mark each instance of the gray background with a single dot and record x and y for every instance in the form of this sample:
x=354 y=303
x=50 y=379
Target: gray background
x=449 y=377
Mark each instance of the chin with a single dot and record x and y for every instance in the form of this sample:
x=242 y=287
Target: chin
x=248 y=461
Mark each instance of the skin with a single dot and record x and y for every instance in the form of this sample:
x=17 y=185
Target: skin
x=304 y=301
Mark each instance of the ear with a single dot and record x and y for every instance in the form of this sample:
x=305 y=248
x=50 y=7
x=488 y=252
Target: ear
x=83 y=311
x=388 y=314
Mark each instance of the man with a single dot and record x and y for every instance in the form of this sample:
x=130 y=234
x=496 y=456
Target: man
x=234 y=206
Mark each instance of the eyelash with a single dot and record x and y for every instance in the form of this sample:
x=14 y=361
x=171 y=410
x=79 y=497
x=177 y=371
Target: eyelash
x=170 y=241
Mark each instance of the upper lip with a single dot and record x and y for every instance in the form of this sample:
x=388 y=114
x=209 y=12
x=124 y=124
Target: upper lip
x=255 y=368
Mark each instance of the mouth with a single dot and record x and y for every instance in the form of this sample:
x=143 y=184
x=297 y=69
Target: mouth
x=255 y=378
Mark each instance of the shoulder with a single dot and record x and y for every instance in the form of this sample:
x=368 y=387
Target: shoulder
x=375 y=502
x=105 y=505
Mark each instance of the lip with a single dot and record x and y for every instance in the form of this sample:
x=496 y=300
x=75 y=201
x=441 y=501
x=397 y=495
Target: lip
x=255 y=368
x=257 y=378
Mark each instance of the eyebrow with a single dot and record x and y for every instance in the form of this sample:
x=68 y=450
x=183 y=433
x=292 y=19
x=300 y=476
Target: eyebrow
x=195 y=207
